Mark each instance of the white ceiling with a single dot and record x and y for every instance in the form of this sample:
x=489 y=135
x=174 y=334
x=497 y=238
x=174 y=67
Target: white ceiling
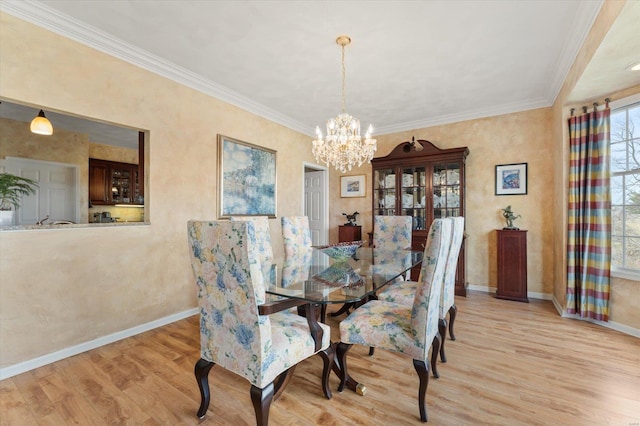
x=411 y=64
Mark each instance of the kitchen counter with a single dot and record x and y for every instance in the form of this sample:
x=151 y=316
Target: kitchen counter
x=71 y=226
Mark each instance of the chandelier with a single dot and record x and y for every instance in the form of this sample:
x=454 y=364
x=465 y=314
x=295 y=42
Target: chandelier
x=343 y=147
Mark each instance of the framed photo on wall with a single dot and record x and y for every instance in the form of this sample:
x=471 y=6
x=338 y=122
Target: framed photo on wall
x=511 y=179
x=352 y=186
x=247 y=179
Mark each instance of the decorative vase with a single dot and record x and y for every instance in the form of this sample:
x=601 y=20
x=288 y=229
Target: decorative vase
x=6 y=217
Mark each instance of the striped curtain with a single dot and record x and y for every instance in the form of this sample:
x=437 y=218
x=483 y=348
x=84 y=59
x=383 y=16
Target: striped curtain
x=589 y=238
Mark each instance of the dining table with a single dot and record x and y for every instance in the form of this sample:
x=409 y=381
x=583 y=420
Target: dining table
x=313 y=278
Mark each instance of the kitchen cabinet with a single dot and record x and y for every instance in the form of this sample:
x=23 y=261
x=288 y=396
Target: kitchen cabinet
x=512 y=265
x=112 y=183
x=425 y=184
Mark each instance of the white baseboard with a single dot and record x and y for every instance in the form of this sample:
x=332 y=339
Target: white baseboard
x=608 y=324
x=530 y=294
x=31 y=364
x=544 y=296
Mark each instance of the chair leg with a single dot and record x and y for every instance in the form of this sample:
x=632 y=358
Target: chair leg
x=341 y=354
x=435 y=349
x=261 y=399
x=328 y=356
x=423 y=374
x=371 y=350
x=453 y=311
x=201 y=371
x=281 y=382
x=442 y=329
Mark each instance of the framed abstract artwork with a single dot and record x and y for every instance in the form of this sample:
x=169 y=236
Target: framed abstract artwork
x=247 y=180
x=352 y=186
x=511 y=179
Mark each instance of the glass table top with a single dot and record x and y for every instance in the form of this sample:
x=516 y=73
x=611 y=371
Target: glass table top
x=313 y=276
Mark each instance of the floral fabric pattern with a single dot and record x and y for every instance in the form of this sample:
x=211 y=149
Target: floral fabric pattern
x=404 y=292
x=392 y=232
x=407 y=329
x=263 y=235
x=230 y=286
x=296 y=268
x=295 y=234
x=449 y=289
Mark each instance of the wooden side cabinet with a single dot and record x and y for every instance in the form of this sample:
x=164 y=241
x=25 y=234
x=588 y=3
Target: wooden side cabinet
x=349 y=233
x=512 y=265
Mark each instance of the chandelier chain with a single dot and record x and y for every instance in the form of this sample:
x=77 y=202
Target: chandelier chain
x=344 y=73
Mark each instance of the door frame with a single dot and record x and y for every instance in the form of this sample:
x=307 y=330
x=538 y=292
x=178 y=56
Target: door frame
x=325 y=176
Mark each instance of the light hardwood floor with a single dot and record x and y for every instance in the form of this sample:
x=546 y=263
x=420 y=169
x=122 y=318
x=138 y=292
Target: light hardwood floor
x=512 y=364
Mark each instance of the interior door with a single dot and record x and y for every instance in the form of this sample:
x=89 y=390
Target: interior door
x=314 y=205
x=55 y=195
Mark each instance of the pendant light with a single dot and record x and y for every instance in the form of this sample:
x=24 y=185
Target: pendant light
x=40 y=125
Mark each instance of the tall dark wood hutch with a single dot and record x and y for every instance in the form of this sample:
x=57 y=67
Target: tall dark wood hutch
x=424 y=184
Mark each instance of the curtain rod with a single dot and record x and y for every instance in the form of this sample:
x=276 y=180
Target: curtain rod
x=595 y=106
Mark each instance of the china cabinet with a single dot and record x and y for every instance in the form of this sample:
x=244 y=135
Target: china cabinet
x=111 y=183
x=425 y=184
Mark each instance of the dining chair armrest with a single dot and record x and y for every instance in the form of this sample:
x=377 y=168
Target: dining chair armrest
x=314 y=327
x=271 y=307
x=309 y=309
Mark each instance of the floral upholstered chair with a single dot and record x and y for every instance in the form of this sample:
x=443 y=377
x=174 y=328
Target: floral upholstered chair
x=296 y=234
x=404 y=292
x=239 y=330
x=392 y=232
x=263 y=235
x=409 y=330
x=296 y=268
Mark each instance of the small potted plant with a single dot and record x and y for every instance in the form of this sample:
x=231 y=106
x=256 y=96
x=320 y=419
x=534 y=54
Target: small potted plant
x=12 y=188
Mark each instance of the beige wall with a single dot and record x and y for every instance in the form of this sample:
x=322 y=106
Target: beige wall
x=91 y=282
x=515 y=138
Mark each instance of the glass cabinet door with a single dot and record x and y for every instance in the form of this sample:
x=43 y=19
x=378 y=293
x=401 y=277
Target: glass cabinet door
x=384 y=192
x=121 y=184
x=413 y=195
x=446 y=190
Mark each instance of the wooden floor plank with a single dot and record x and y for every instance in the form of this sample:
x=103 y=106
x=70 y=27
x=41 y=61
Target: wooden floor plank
x=512 y=364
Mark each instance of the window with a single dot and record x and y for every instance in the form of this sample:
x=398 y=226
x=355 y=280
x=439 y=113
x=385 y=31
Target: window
x=625 y=189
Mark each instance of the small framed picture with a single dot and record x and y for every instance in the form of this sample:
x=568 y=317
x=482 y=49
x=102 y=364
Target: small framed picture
x=511 y=179
x=352 y=186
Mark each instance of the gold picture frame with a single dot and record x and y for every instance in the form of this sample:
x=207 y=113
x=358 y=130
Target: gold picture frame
x=247 y=185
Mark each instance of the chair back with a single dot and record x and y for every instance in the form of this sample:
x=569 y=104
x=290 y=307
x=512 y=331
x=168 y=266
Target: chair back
x=392 y=232
x=449 y=289
x=263 y=235
x=230 y=288
x=296 y=268
x=296 y=234
x=426 y=302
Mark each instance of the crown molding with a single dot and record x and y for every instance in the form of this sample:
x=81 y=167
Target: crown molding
x=43 y=16
x=464 y=116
